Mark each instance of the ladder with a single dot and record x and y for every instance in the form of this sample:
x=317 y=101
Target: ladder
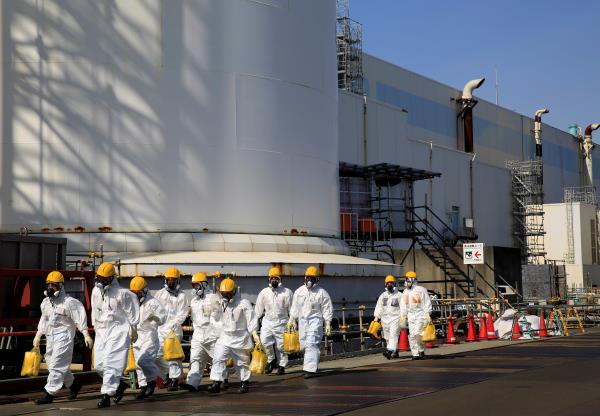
x=573 y=315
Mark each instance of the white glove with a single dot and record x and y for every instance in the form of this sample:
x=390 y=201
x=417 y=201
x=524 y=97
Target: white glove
x=257 y=340
x=89 y=342
x=403 y=322
x=291 y=325
x=37 y=339
x=328 y=328
x=133 y=334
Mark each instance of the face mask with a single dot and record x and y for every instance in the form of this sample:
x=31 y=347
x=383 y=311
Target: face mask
x=409 y=283
x=227 y=296
x=51 y=292
x=309 y=284
x=274 y=283
x=172 y=285
x=142 y=295
x=390 y=288
x=199 y=291
x=99 y=284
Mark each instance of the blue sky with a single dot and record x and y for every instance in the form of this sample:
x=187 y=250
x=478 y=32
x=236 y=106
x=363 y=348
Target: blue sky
x=547 y=52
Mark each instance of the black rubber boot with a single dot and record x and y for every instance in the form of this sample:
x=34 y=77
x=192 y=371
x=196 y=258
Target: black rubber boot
x=188 y=387
x=120 y=392
x=173 y=385
x=142 y=394
x=47 y=398
x=422 y=355
x=225 y=385
x=244 y=387
x=395 y=355
x=215 y=387
x=74 y=390
x=281 y=371
x=416 y=357
x=270 y=366
x=151 y=387
x=308 y=374
x=104 y=401
x=387 y=354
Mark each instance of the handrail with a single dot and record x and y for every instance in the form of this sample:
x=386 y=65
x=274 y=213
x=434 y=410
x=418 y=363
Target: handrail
x=440 y=235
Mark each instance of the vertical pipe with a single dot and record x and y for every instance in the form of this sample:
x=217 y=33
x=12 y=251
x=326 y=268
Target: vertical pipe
x=365 y=132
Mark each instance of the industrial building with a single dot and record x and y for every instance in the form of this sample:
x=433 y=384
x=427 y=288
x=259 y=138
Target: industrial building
x=224 y=135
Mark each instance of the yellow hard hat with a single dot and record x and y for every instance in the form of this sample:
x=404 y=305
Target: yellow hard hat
x=199 y=277
x=411 y=275
x=390 y=279
x=227 y=285
x=137 y=284
x=216 y=274
x=55 y=277
x=275 y=271
x=311 y=271
x=106 y=269
x=172 y=273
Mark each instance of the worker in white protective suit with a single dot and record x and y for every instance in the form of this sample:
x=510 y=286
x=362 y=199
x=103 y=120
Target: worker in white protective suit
x=152 y=314
x=274 y=302
x=312 y=307
x=239 y=329
x=61 y=316
x=207 y=321
x=176 y=303
x=415 y=307
x=387 y=311
x=115 y=315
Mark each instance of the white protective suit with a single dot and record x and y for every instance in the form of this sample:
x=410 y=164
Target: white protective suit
x=387 y=311
x=239 y=321
x=61 y=316
x=311 y=307
x=275 y=304
x=115 y=311
x=416 y=306
x=207 y=315
x=176 y=304
x=152 y=314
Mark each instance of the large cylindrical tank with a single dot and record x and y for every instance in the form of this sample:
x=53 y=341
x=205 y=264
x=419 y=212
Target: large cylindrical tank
x=179 y=115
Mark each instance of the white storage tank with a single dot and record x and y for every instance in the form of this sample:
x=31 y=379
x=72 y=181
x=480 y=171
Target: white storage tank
x=178 y=115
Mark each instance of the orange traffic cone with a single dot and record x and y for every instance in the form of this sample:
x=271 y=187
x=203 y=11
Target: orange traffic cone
x=491 y=332
x=482 y=329
x=471 y=333
x=543 y=331
x=516 y=334
x=403 y=344
x=451 y=338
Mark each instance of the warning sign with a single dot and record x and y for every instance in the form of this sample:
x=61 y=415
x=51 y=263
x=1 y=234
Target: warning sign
x=473 y=253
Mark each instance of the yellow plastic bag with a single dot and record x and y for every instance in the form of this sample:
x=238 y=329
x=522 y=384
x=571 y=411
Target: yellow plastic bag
x=172 y=350
x=259 y=360
x=291 y=342
x=130 y=361
x=31 y=363
x=374 y=329
x=229 y=363
x=428 y=334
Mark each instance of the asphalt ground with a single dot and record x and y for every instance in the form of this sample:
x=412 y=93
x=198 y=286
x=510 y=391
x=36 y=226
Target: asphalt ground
x=552 y=376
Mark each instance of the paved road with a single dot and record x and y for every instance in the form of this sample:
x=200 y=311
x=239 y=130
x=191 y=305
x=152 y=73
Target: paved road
x=560 y=375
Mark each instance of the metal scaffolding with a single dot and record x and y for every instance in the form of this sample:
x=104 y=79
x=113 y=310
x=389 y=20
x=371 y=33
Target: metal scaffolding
x=349 y=50
x=528 y=209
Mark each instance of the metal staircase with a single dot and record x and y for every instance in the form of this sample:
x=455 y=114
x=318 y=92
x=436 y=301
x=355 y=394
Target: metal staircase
x=438 y=241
